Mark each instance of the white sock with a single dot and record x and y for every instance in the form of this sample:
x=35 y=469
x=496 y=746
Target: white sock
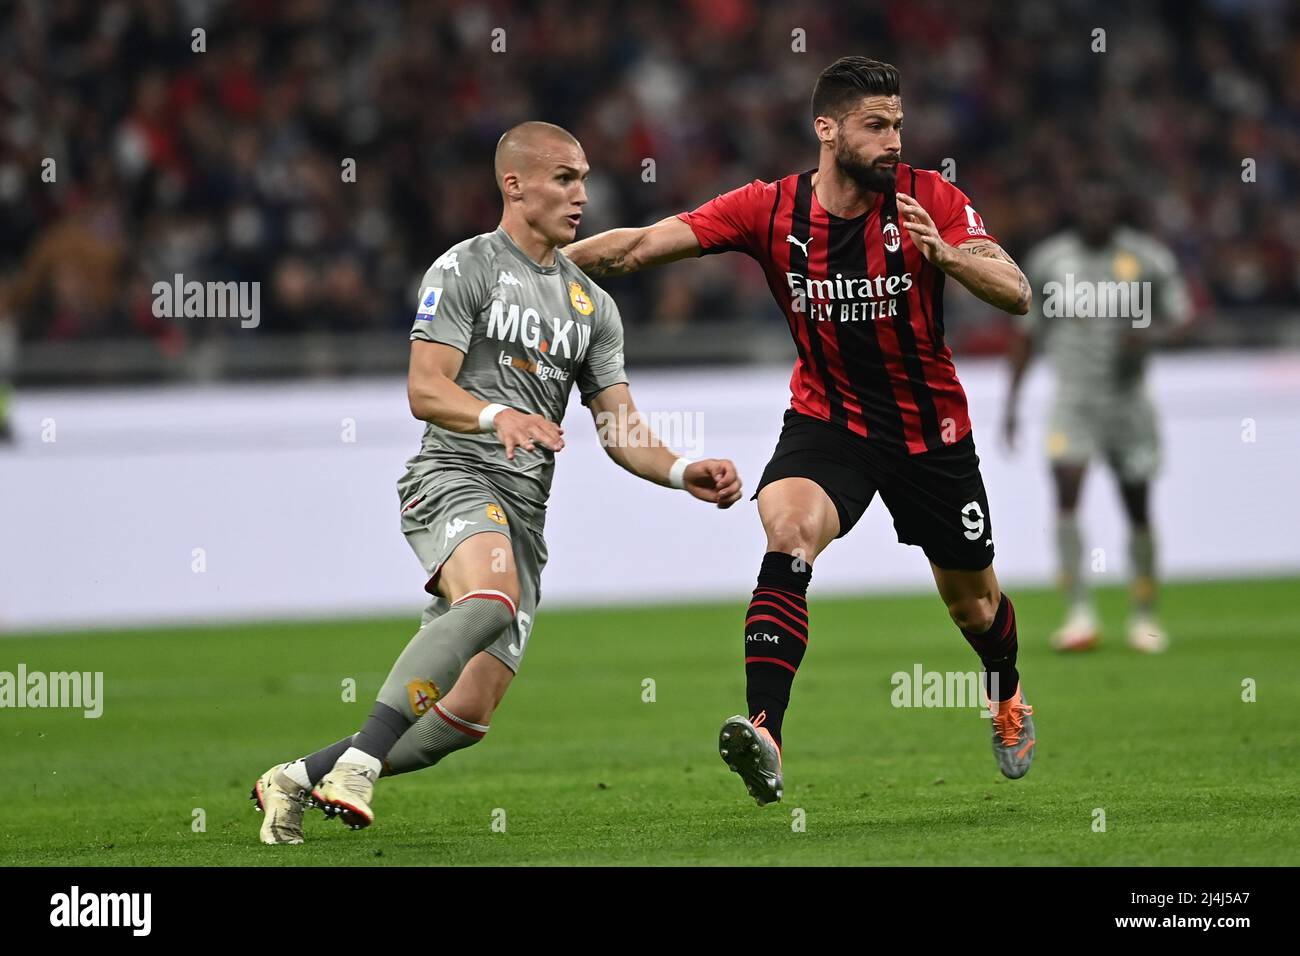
x=297 y=772
x=353 y=755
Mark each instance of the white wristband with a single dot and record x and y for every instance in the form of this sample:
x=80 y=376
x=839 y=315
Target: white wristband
x=489 y=413
x=677 y=473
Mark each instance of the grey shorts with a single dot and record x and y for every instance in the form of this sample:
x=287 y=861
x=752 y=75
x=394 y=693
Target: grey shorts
x=1120 y=429
x=447 y=507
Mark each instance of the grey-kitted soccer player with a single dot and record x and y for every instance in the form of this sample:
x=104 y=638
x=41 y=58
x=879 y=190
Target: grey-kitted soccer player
x=504 y=328
x=1103 y=293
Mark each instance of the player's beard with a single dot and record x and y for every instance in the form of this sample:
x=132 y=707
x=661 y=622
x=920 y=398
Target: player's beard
x=871 y=177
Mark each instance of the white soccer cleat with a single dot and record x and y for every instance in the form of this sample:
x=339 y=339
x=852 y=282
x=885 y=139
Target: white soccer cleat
x=1079 y=633
x=1146 y=636
x=281 y=801
x=347 y=790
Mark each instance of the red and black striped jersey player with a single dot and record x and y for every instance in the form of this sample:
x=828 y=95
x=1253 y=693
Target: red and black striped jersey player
x=856 y=252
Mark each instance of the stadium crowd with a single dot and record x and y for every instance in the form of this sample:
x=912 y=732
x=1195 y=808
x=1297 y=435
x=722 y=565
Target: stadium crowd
x=229 y=163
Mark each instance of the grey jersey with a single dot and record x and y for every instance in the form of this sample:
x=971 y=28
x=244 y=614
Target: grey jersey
x=529 y=333
x=1096 y=307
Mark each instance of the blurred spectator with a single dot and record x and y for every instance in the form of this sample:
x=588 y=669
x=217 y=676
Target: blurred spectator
x=228 y=163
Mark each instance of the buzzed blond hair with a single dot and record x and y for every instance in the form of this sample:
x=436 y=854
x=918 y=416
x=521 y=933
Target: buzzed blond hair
x=520 y=146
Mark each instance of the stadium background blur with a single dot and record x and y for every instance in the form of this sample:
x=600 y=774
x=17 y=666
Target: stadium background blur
x=225 y=164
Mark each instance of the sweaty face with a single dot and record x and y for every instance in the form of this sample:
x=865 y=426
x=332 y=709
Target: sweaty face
x=554 y=190
x=868 y=142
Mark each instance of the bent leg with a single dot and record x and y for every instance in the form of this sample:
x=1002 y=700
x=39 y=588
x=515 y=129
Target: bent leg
x=800 y=520
x=987 y=620
x=459 y=720
x=480 y=582
x=798 y=517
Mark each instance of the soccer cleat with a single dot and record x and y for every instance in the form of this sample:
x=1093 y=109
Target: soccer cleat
x=1145 y=635
x=749 y=750
x=282 y=801
x=1013 y=735
x=1079 y=633
x=346 y=791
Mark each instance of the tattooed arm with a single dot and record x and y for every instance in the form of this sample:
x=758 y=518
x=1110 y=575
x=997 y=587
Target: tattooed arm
x=981 y=265
x=1004 y=286
x=617 y=252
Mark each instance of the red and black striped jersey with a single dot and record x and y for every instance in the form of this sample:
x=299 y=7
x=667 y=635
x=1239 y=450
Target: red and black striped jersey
x=864 y=306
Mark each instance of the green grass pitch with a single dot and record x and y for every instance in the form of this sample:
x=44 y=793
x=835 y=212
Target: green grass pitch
x=587 y=772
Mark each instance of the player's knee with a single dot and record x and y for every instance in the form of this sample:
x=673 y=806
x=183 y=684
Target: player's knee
x=973 y=614
x=443 y=731
x=793 y=533
x=486 y=613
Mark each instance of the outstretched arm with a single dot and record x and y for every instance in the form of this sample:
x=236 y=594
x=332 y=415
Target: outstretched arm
x=627 y=438
x=981 y=265
x=617 y=252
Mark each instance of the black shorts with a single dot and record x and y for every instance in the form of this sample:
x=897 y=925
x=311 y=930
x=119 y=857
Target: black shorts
x=936 y=498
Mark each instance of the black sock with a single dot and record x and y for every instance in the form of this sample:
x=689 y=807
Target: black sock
x=380 y=732
x=322 y=761
x=997 y=649
x=776 y=635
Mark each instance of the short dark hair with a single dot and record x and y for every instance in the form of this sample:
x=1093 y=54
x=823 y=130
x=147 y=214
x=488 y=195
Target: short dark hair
x=848 y=80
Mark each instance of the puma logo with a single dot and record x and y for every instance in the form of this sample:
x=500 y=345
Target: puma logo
x=802 y=245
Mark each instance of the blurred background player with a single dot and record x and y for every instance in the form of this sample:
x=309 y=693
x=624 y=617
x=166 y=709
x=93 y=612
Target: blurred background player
x=856 y=262
x=505 y=326
x=1101 y=409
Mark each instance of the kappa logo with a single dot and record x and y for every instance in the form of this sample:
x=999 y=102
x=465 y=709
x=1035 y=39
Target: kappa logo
x=447 y=261
x=972 y=517
x=508 y=278
x=456 y=525
x=802 y=245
